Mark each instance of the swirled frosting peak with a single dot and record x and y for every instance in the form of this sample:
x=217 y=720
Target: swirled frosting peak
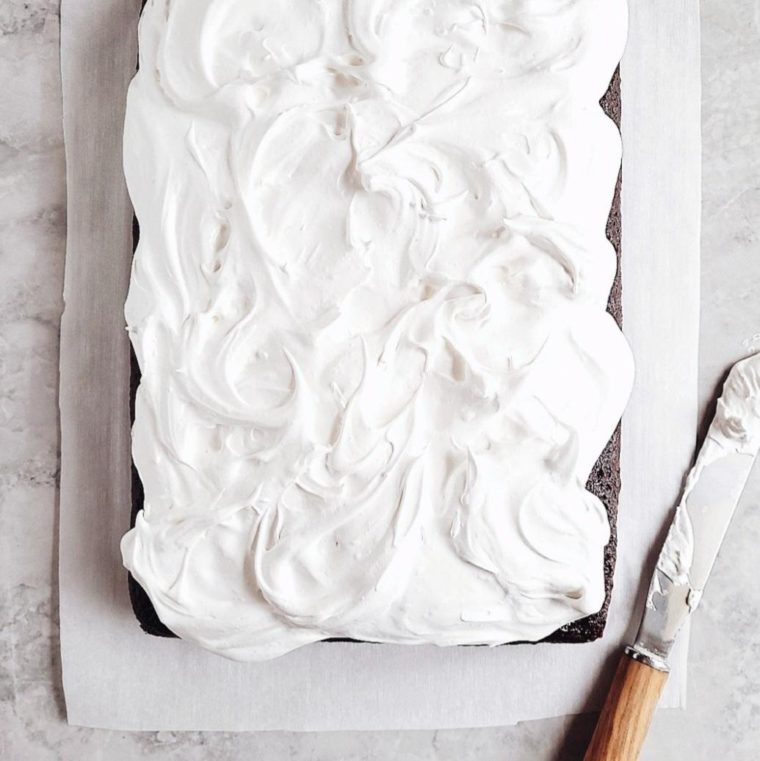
x=368 y=304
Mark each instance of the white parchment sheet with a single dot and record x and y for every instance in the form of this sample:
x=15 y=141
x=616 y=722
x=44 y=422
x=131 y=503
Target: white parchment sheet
x=117 y=677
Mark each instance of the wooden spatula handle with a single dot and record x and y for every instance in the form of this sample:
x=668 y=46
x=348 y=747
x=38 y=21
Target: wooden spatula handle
x=627 y=712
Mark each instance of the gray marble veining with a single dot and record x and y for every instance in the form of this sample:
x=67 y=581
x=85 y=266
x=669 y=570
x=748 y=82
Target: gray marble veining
x=723 y=718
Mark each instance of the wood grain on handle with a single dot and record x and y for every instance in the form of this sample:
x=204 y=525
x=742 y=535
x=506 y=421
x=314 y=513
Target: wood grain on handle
x=627 y=712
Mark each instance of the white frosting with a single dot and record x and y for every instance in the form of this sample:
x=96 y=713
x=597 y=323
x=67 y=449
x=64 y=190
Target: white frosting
x=368 y=305
x=735 y=429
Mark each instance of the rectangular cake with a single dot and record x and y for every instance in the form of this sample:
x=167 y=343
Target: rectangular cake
x=374 y=308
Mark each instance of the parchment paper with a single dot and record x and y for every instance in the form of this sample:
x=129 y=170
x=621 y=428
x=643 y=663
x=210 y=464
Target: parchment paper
x=117 y=677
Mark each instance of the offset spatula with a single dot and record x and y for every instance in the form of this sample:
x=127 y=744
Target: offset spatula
x=710 y=496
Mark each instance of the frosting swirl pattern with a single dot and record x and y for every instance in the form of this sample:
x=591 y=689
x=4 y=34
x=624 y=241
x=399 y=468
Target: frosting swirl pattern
x=368 y=304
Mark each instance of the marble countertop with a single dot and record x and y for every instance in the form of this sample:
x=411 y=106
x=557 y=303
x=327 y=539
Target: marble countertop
x=723 y=717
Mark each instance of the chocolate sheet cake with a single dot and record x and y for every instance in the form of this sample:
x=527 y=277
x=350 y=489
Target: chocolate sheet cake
x=368 y=305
